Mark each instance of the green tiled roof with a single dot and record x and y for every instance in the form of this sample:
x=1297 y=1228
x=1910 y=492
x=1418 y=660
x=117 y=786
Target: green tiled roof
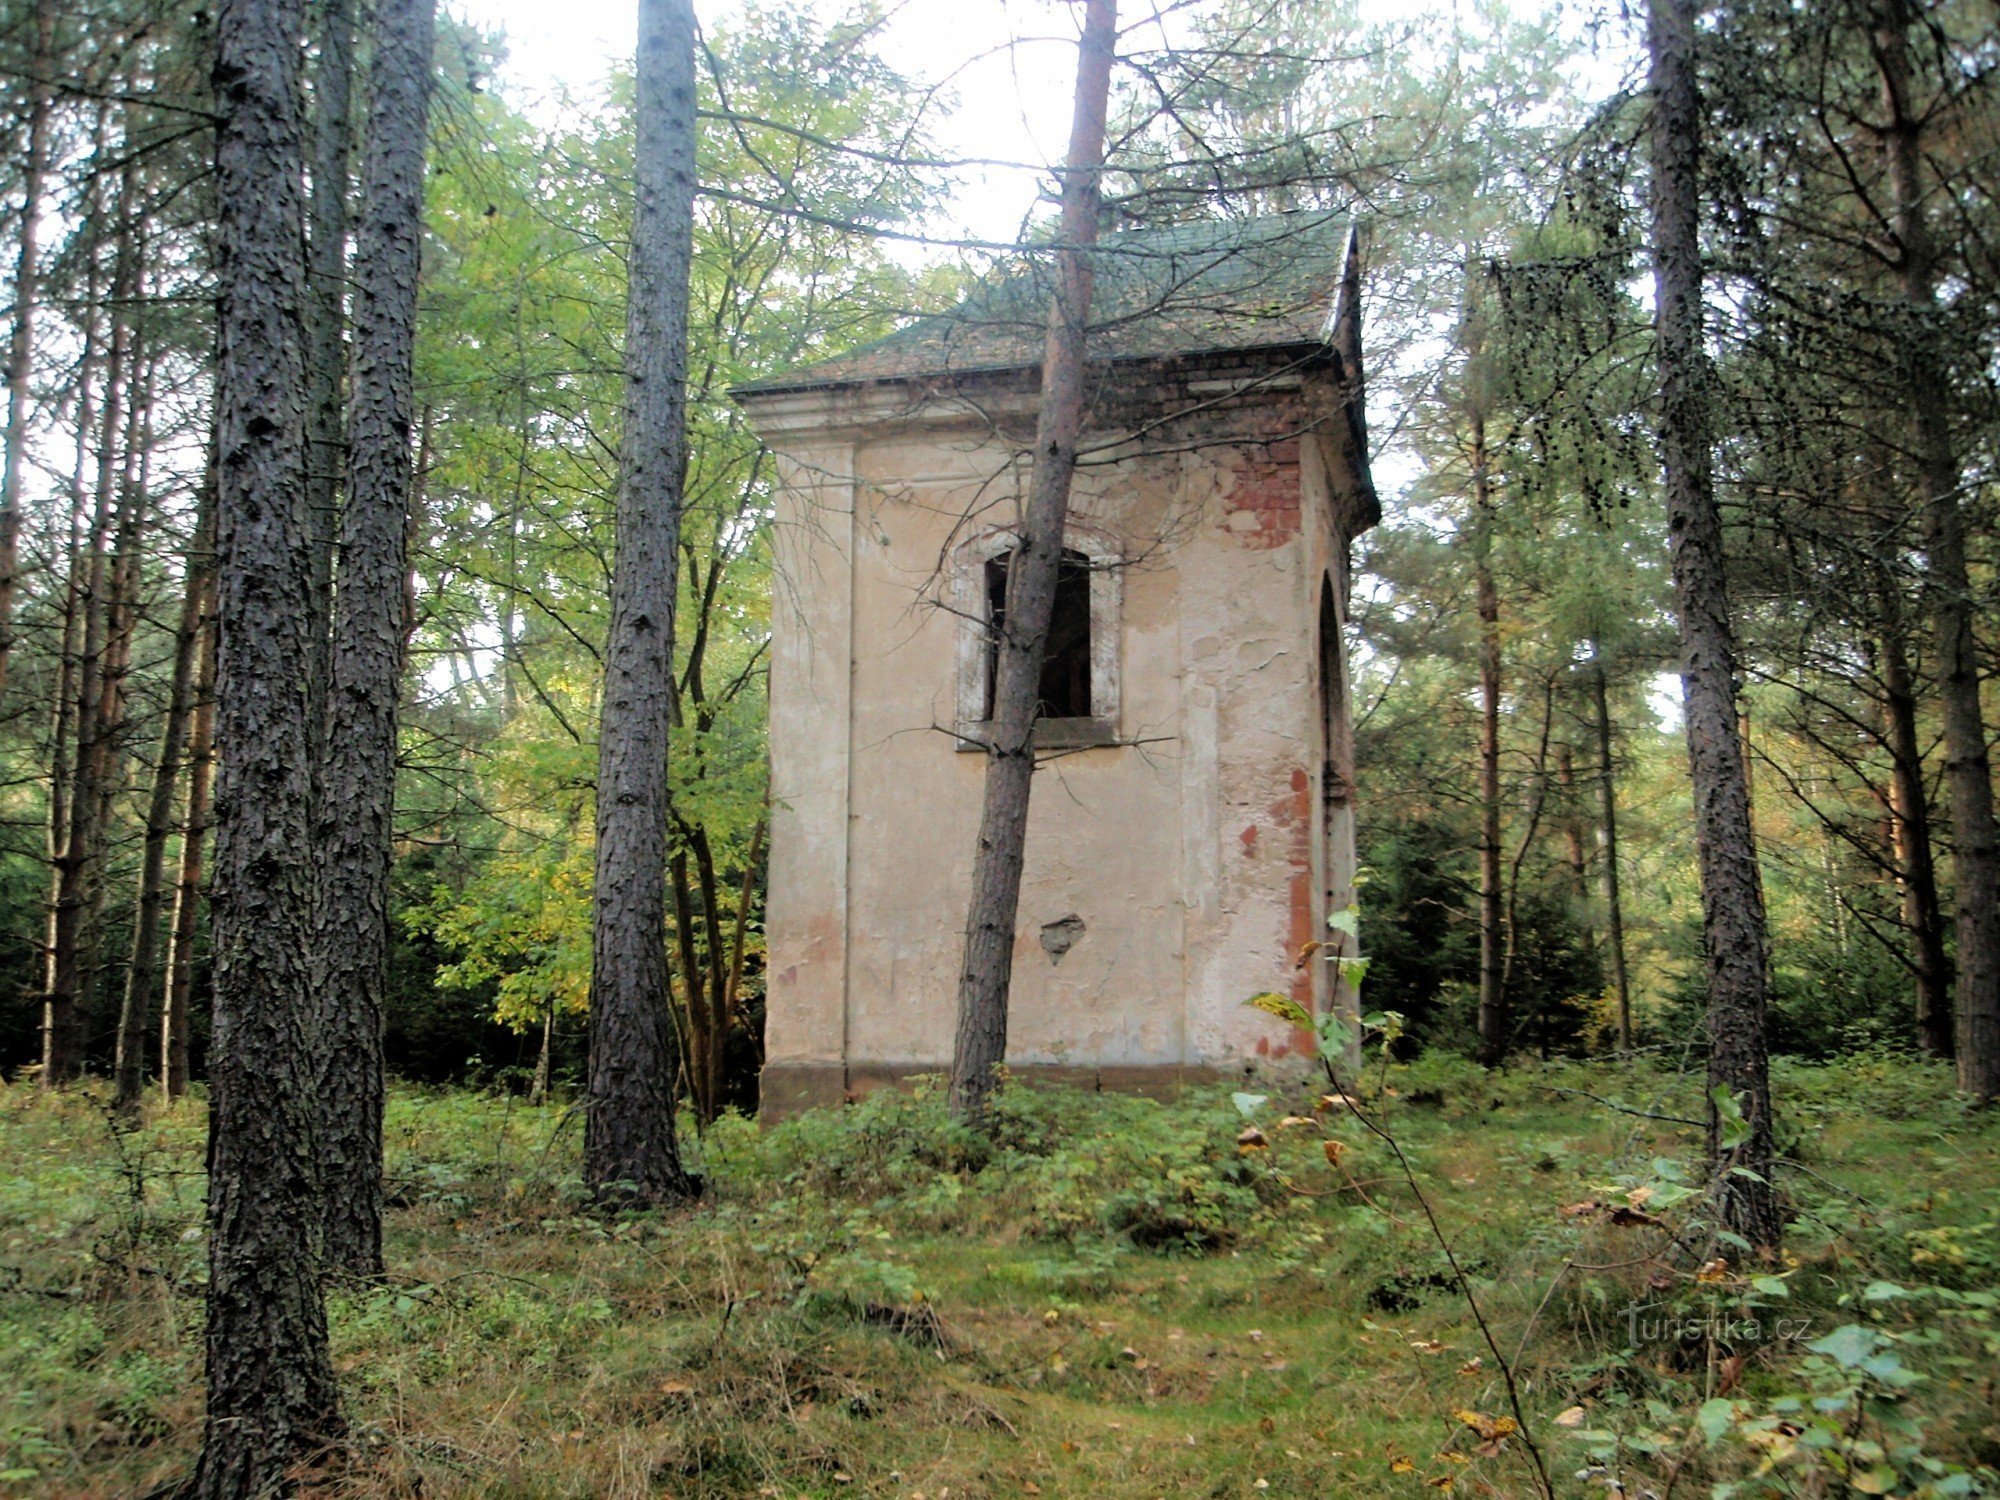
x=1218 y=286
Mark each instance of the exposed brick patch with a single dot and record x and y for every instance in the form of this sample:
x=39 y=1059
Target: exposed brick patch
x=1290 y=821
x=1262 y=508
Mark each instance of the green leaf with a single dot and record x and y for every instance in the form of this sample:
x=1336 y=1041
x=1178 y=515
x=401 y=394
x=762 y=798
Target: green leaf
x=1347 y=920
x=1248 y=1104
x=1883 y=1291
x=1284 y=1007
x=1849 y=1345
x=1770 y=1286
x=1717 y=1416
x=1735 y=1129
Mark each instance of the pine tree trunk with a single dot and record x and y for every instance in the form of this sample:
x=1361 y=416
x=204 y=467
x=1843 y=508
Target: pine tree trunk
x=144 y=972
x=980 y=1045
x=538 y=1091
x=175 y=1005
x=630 y=1146
x=1493 y=1019
x=1910 y=837
x=694 y=991
x=1607 y=826
x=66 y=1015
x=358 y=780
x=733 y=986
x=1731 y=887
x=1968 y=765
x=21 y=337
x=59 y=981
x=326 y=314
x=272 y=1399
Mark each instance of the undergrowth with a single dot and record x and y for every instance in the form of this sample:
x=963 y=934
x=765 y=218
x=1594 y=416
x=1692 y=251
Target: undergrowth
x=1107 y=1296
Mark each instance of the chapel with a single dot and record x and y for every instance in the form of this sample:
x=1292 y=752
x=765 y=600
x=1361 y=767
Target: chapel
x=1192 y=823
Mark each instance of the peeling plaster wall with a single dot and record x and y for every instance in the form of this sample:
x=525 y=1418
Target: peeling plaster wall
x=1192 y=853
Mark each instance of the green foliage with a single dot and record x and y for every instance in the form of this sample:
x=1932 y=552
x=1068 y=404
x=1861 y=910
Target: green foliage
x=1056 y=1164
x=869 y=1291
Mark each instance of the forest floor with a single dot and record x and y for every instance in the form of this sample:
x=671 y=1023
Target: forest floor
x=1117 y=1298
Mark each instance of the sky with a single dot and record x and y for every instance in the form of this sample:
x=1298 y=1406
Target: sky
x=1011 y=64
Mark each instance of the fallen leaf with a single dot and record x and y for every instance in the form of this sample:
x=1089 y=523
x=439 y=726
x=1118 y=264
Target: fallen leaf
x=1401 y=1465
x=1490 y=1429
x=1570 y=1416
x=1731 y=1373
x=1711 y=1272
x=1252 y=1139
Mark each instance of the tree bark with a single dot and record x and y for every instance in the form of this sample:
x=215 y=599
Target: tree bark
x=1607 y=836
x=143 y=973
x=176 y=1004
x=630 y=1146
x=980 y=1045
x=1732 y=893
x=1493 y=1020
x=694 y=990
x=21 y=337
x=1910 y=837
x=1967 y=763
x=358 y=779
x=326 y=314
x=272 y=1399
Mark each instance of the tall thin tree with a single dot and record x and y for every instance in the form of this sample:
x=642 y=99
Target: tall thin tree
x=630 y=1146
x=142 y=974
x=21 y=335
x=358 y=781
x=1732 y=897
x=271 y=1391
x=326 y=309
x=1968 y=764
x=177 y=1000
x=981 y=1042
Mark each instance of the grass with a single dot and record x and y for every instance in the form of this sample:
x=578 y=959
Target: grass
x=1112 y=1299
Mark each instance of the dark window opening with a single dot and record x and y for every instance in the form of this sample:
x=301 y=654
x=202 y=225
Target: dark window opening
x=1065 y=685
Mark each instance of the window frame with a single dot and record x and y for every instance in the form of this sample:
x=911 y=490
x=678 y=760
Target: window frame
x=975 y=655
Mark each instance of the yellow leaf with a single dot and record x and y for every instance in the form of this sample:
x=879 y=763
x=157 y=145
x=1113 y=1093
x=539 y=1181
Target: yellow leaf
x=1401 y=1465
x=1571 y=1416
